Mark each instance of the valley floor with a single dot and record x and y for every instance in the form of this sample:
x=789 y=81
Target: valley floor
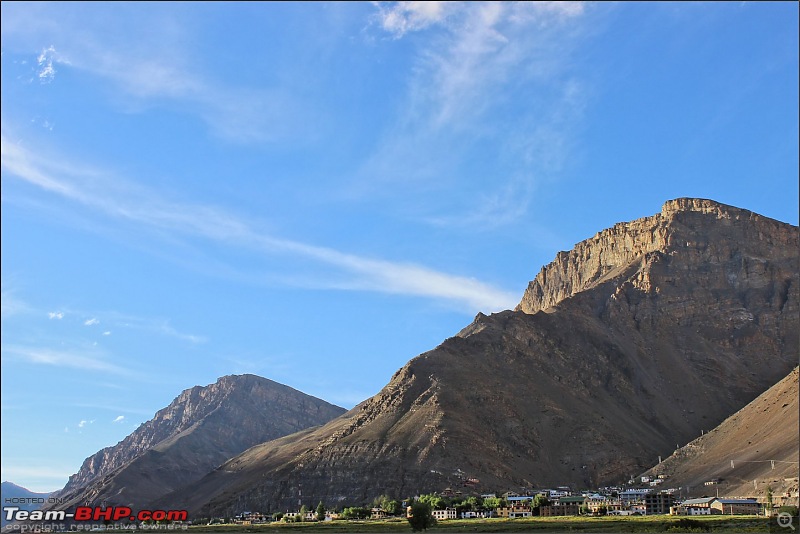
x=555 y=524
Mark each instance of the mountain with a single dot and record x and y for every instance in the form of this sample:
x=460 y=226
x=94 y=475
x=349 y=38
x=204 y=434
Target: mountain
x=619 y=351
x=742 y=449
x=23 y=498
x=199 y=430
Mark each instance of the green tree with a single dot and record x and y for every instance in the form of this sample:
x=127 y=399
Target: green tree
x=355 y=512
x=320 y=511
x=434 y=501
x=277 y=516
x=769 y=501
x=387 y=504
x=301 y=516
x=466 y=505
x=539 y=501
x=584 y=509
x=421 y=517
x=392 y=507
x=492 y=503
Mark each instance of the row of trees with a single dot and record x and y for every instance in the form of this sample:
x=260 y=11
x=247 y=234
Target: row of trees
x=421 y=513
x=477 y=504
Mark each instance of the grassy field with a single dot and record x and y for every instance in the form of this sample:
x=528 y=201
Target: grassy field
x=543 y=524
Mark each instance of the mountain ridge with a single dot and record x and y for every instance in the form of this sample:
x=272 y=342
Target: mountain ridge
x=610 y=251
x=585 y=385
x=201 y=428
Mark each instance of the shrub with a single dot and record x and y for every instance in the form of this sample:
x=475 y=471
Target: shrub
x=687 y=525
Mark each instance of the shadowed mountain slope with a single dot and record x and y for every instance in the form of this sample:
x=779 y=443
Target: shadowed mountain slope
x=199 y=430
x=620 y=351
x=760 y=442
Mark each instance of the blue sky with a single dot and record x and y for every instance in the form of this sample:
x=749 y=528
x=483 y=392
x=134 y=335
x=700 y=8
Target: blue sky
x=318 y=192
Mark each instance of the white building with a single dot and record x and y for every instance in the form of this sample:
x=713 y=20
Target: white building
x=447 y=513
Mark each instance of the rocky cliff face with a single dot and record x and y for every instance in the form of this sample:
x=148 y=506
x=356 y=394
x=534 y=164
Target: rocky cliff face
x=200 y=429
x=654 y=330
x=710 y=232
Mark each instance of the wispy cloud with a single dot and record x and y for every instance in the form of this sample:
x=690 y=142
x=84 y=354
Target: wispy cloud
x=91 y=322
x=46 y=71
x=118 y=419
x=55 y=315
x=124 y=201
x=399 y=18
x=10 y=304
x=165 y=328
x=113 y=408
x=158 y=70
x=490 y=72
x=68 y=359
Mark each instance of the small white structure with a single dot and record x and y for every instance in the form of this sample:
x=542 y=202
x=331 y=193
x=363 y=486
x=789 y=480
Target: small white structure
x=447 y=513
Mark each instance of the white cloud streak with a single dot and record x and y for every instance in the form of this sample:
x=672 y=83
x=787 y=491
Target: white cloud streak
x=398 y=18
x=55 y=315
x=493 y=77
x=122 y=201
x=46 y=72
x=91 y=322
x=66 y=359
x=153 y=70
x=118 y=419
x=10 y=303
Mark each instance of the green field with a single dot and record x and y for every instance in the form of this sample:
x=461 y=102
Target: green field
x=543 y=524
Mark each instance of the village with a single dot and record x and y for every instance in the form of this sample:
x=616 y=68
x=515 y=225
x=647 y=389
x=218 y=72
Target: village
x=645 y=500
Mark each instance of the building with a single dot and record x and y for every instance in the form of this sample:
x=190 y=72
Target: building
x=633 y=495
x=558 y=493
x=447 y=513
x=658 y=503
x=700 y=506
x=600 y=506
x=514 y=511
x=474 y=515
x=735 y=506
x=574 y=500
x=377 y=513
x=559 y=510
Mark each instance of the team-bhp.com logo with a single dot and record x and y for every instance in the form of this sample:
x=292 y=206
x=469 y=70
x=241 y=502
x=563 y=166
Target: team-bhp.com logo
x=96 y=513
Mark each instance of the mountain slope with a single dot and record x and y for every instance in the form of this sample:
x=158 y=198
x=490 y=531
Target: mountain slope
x=200 y=429
x=767 y=429
x=621 y=349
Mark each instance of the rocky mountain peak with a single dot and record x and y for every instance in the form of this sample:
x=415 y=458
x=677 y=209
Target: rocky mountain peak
x=707 y=230
x=226 y=417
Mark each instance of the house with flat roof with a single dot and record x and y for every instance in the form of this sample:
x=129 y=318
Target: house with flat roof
x=735 y=506
x=717 y=505
x=447 y=513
